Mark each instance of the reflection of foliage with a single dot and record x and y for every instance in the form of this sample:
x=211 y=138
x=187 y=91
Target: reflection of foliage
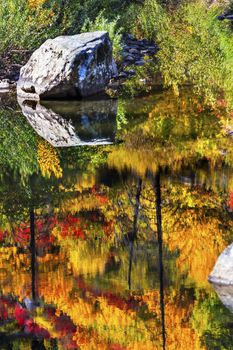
x=230 y=201
x=48 y=160
x=83 y=272
x=143 y=80
x=178 y=132
x=194 y=223
x=17 y=144
x=178 y=310
x=212 y=322
x=121 y=117
x=84 y=158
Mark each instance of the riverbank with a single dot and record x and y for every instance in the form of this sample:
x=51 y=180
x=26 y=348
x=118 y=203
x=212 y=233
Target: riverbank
x=135 y=54
x=195 y=48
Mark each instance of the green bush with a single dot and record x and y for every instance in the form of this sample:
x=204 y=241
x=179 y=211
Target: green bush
x=147 y=20
x=101 y=23
x=197 y=49
x=24 y=27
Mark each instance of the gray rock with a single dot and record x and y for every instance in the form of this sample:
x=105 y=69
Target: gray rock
x=129 y=58
x=140 y=63
x=151 y=47
x=126 y=48
x=124 y=54
x=144 y=52
x=73 y=123
x=126 y=64
x=123 y=75
x=223 y=270
x=130 y=37
x=229 y=17
x=131 y=72
x=68 y=66
x=133 y=51
x=135 y=46
x=140 y=43
x=145 y=42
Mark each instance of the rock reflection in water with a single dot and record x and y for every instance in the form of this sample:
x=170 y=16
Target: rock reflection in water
x=73 y=123
x=225 y=294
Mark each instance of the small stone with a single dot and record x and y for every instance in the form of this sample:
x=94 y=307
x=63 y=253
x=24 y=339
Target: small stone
x=130 y=37
x=126 y=64
x=145 y=42
x=142 y=81
x=123 y=75
x=139 y=63
x=126 y=48
x=229 y=17
x=129 y=59
x=131 y=72
x=151 y=48
x=133 y=51
x=144 y=52
x=149 y=60
x=221 y=17
x=142 y=43
x=124 y=53
x=135 y=43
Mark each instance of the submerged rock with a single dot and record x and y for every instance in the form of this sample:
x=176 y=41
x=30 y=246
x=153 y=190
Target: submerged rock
x=73 y=123
x=68 y=66
x=222 y=273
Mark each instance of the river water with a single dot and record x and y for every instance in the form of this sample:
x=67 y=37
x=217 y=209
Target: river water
x=112 y=216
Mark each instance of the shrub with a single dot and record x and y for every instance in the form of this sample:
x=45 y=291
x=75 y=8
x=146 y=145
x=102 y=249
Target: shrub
x=101 y=23
x=23 y=26
x=197 y=49
x=147 y=19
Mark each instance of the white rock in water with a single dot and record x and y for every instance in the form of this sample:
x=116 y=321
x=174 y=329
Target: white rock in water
x=223 y=270
x=68 y=66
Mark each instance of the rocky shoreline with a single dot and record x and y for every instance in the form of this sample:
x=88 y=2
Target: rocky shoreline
x=135 y=53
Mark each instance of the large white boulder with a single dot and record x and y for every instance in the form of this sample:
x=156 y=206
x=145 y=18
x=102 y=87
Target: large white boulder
x=223 y=270
x=68 y=66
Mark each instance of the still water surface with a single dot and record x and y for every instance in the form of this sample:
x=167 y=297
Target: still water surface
x=112 y=216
